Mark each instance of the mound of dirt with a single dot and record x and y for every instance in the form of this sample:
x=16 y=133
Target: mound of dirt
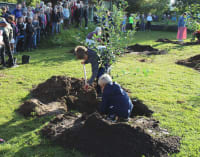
x=144 y=50
x=35 y=107
x=193 y=62
x=69 y=91
x=177 y=42
x=93 y=135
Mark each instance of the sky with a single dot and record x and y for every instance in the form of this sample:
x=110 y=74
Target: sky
x=172 y=1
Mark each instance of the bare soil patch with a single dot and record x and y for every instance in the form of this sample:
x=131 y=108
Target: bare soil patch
x=193 y=62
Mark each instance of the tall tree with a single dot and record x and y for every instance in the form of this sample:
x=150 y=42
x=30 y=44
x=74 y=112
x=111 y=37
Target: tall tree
x=146 y=6
x=182 y=4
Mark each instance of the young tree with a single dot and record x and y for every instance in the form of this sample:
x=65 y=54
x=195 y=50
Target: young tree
x=113 y=37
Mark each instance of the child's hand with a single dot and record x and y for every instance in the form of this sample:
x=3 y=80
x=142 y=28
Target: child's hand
x=83 y=62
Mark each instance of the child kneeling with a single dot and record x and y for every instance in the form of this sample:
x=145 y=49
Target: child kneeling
x=115 y=101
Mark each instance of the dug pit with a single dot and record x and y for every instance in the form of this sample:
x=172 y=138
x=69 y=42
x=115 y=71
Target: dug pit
x=91 y=133
x=193 y=62
x=144 y=50
x=177 y=42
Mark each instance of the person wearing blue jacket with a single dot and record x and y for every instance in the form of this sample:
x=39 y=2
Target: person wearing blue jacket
x=182 y=29
x=115 y=101
x=18 y=11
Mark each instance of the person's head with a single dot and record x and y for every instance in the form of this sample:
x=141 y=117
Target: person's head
x=24 y=3
x=49 y=4
x=59 y=9
x=66 y=5
x=7 y=8
x=11 y=18
x=4 y=9
x=29 y=19
x=104 y=80
x=24 y=13
x=98 y=30
x=47 y=10
x=184 y=14
x=29 y=9
x=20 y=19
x=41 y=4
x=19 y=6
x=81 y=52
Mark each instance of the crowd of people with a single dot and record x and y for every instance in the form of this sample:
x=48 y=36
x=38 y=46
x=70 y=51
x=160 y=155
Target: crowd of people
x=25 y=25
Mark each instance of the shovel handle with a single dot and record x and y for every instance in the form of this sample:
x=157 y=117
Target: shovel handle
x=85 y=76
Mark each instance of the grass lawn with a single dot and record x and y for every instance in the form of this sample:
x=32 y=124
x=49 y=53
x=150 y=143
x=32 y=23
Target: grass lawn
x=171 y=91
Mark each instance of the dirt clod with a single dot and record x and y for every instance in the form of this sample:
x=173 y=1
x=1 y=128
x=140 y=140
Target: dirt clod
x=93 y=135
x=193 y=62
x=144 y=50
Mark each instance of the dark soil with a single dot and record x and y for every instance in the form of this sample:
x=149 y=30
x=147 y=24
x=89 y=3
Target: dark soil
x=144 y=49
x=61 y=93
x=93 y=135
x=193 y=62
x=177 y=42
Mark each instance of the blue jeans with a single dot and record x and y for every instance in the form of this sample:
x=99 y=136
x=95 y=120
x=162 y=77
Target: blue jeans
x=38 y=35
x=59 y=28
x=54 y=27
x=142 y=26
x=35 y=40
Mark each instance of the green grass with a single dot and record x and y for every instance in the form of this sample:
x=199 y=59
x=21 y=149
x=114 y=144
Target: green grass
x=160 y=83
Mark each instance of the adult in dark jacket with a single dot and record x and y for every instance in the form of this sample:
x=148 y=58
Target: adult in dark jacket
x=55 y=20
x=115 y=101
x=5 y=44
x=85 y=15
x=77 y=15
x=90 y=56
x=29 y=34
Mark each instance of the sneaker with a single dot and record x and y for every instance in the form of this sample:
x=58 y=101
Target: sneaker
x=111 y=118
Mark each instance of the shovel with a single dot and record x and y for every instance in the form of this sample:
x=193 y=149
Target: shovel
x=85 y=76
